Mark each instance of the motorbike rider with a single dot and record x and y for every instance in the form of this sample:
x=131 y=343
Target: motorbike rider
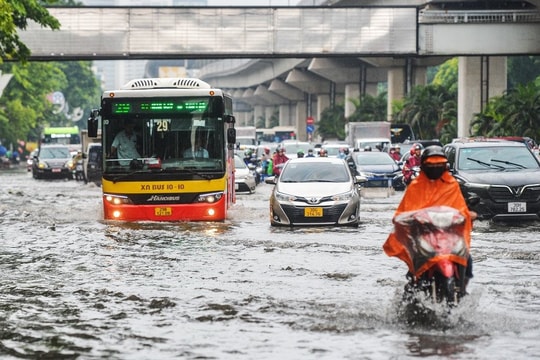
x=395 y=153
x=279 y=160
x=412 y=162
x=264 y=162
x=434 y=186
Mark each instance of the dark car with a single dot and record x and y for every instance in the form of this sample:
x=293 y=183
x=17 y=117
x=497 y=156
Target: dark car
x=52 y=161
x=377 y=166
x=92 y=163
x=504 y=175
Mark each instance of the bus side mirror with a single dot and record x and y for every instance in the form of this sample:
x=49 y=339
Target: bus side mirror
x=229 y=119
x=231 y=136
x=93 y=123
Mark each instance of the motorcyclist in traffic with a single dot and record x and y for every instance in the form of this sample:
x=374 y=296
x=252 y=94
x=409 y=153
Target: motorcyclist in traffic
x=279 y=160
x=434 y=186
x=412 y=163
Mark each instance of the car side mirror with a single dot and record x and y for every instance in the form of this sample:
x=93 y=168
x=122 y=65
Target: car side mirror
x=359 y=179
x=270 y=180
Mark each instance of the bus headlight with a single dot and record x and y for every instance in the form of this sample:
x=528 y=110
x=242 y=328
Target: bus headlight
x=117 y=199
x=210 y=198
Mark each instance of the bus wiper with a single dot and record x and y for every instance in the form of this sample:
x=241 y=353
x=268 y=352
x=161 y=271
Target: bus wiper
x=204 y=176
x=485 y=163
x=510 y=163
x=123 y=176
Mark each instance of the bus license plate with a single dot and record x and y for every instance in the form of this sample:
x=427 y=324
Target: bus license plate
x=163 y=211
x=517 y=207
x=313 y=212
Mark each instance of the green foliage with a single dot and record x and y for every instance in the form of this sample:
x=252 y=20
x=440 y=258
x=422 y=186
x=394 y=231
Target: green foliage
x=24 y=108
x=332 y=123
x=428 y=109
x=370 y=108
x=447 y=75
x=522 y=70
x=14 y=15
x=517 y=113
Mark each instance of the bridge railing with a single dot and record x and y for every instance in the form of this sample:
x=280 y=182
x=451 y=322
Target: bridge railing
x=477 y=16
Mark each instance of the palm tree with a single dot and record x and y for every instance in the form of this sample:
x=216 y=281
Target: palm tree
x=428 y=109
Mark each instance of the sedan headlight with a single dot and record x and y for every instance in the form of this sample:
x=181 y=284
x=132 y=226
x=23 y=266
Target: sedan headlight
x=343 y=197
x=284 y=197
x=471 y=186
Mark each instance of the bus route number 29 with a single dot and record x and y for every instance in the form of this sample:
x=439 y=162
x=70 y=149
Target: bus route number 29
x=163 y=125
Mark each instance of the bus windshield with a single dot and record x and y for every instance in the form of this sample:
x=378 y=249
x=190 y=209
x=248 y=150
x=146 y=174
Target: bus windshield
x=180 y=134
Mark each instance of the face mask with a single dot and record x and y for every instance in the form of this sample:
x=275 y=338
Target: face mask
x=433 y=172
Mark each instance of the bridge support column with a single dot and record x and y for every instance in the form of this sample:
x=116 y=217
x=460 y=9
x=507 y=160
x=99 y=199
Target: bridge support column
x=323 y=101
x=479 y=79
x=268 y=112
x=258 y=112
x=285 y=115
x=396 y=87
x=300 y=123
x=352 y=91
x=242 y=117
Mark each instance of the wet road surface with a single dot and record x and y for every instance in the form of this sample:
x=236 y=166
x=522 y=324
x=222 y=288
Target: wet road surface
x=76 y=287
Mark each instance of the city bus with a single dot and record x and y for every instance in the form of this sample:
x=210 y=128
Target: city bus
x=67 y=135
x=167 y=179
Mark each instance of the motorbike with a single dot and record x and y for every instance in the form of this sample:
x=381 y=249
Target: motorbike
x=400 y=183
x=439 y=255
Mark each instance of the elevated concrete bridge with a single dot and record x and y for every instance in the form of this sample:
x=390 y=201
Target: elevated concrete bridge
x=306 y=57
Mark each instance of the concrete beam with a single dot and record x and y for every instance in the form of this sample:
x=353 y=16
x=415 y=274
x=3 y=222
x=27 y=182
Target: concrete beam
x=285 y=90
x=269 y=97
x=307 y=82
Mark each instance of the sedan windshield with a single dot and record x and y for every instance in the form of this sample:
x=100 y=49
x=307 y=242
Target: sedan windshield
x=373 y=158
x=320 y=172
x=497 y=158
x=54 y=153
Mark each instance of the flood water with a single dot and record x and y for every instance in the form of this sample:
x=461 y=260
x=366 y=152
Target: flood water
x=76 y=287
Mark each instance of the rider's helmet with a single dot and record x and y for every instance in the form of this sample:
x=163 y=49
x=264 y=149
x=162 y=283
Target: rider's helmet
x=416 y=147
x=266 y=150
x=323 y=153
x=300 y=153
x=434 y=162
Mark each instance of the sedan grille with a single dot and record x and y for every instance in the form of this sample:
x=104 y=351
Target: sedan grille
x=506 y=193
x=330 y=214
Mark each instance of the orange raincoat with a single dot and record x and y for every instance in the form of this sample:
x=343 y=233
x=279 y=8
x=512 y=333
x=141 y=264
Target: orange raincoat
x=423 y=193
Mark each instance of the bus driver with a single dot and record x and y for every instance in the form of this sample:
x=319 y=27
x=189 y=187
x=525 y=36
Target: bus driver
x=124 y=145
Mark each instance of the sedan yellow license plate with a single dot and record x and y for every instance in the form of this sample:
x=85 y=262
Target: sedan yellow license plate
x=313 y=212
x=163 y=211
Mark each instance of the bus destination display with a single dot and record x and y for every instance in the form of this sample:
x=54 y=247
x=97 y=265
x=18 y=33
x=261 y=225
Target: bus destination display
x=154 y=106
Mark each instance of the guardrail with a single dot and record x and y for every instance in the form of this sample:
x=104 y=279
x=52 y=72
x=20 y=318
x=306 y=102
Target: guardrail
x=477 y=16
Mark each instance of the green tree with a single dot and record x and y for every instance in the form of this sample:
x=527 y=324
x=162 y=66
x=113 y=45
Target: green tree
x=24 y=105
x=369 y=108
x=14 y=16
x=447 y=75
x=522 y=70
x=428 y=109
x=516 y=112
x=332 y=123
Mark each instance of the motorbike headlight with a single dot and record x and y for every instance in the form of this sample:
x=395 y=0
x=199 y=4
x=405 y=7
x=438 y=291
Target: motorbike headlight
x=343 y=197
